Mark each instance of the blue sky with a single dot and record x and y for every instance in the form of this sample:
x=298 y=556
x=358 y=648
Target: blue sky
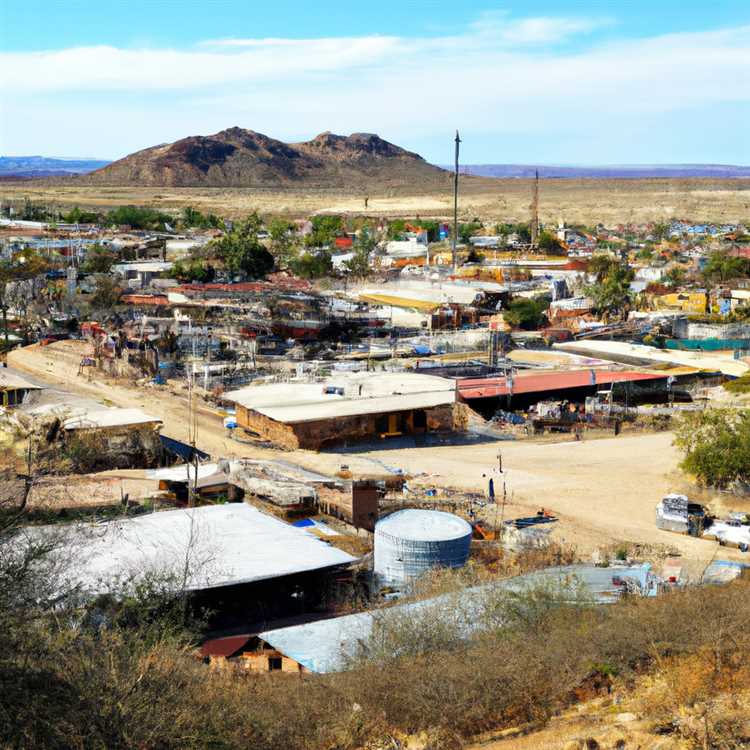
x=545 y=82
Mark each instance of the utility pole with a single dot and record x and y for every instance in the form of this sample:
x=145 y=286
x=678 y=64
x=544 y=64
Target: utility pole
x=455 y=205
x=535 y=210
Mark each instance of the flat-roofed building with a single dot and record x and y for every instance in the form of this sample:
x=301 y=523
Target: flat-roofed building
x=348 y=407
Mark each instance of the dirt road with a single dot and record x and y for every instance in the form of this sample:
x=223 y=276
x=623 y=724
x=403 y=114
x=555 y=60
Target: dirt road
x=604 y=490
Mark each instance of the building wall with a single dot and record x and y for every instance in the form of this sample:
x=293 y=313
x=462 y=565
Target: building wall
x=318 y=434
x=258 y=661
x=687 y=329
x=278 y=433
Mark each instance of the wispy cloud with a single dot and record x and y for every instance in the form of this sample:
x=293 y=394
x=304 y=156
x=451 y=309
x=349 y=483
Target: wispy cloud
x=501 y=75
x=518 y=32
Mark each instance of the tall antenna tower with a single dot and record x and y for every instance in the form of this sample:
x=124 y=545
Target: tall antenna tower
x=455 y=206
x=535 y=210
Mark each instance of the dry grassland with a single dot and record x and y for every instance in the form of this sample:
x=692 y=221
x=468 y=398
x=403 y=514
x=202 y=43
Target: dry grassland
x=574 y=200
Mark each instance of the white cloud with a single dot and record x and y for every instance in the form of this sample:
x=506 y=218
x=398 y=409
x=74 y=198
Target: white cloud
x=540 y=30
x=501 y=76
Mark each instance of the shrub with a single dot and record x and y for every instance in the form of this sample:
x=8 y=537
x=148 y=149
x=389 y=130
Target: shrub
x=716 y=444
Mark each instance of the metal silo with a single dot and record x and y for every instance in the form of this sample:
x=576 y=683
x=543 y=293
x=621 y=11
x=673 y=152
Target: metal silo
x=410 y=542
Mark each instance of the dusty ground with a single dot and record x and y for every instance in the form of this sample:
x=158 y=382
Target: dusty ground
x=584 y=201
x=604 y=490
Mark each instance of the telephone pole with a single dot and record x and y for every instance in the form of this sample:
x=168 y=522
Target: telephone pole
x=535 y=211
x=455 y=205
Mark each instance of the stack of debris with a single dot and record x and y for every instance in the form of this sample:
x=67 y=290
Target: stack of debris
x=676 y=513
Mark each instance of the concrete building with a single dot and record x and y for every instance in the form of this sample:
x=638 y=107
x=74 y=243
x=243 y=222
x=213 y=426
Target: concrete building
x=348 y=407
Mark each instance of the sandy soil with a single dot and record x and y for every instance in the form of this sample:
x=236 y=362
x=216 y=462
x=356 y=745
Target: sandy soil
x=603 y=490
x=584 y=201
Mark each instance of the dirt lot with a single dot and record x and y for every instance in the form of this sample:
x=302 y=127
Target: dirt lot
x=575 y=200
x=603 y=490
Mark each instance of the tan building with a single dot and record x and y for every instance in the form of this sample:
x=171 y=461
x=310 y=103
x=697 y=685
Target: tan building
x=348 y=407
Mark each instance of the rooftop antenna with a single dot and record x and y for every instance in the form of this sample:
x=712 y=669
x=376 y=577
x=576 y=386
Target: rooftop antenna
x=535 y=210
x=455 y=205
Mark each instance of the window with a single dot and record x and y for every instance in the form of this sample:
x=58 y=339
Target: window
x=274 y=663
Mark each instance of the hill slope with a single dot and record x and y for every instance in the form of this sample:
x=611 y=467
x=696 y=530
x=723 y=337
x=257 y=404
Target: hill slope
x=244 y=158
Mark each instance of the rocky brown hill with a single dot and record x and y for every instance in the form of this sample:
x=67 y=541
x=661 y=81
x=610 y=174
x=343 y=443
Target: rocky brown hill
x=244 y=158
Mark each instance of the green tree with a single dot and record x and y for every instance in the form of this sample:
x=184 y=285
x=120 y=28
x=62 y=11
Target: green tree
x=191 y=217
x=325 y=229
x=363 y=247
x=187 y=271
x=675 y=276
x=528 y=314
x=99 y=259
x=313 y=264
x=241 y=252
x=138 y=217
x=716 y=445
x=284 y=246
x=600 y=266
x=722 y=267
x=468 y=230
x=550 y=245
x=611 y=291
x=107 y=293
x=79 y=216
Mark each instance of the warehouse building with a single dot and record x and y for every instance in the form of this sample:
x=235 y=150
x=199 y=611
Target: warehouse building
x=348 y=407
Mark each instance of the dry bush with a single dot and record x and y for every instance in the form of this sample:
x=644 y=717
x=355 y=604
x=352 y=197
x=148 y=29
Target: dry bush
x=64 y=687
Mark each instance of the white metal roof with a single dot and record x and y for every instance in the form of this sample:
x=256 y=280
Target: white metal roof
x=416 y=524
x=11 y=380
x=224 y=545
x=328 y=645
x=364 y=393
x=620 y=351
x=108 y=418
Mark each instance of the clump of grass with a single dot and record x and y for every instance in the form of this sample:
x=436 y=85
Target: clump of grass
x=738 y=385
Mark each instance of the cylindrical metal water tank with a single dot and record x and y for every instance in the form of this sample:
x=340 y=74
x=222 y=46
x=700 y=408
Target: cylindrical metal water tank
x=410 y=542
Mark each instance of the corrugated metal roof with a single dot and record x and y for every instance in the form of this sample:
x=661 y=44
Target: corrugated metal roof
x=12 y=381
x=225 y=545
x=327 y=645
x=109 y=418
x=548 y=381
x=224 y=646
x=395 y=301
x=620 y=351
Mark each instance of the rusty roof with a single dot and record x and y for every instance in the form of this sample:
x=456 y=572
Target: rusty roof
x=225 y=647
x=549 y=381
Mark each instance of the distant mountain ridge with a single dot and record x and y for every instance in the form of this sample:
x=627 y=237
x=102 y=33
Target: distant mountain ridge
x=237 y=157
x=614 y=171
x=46 y=166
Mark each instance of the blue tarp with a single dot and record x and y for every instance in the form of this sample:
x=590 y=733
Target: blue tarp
x=186 y=452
